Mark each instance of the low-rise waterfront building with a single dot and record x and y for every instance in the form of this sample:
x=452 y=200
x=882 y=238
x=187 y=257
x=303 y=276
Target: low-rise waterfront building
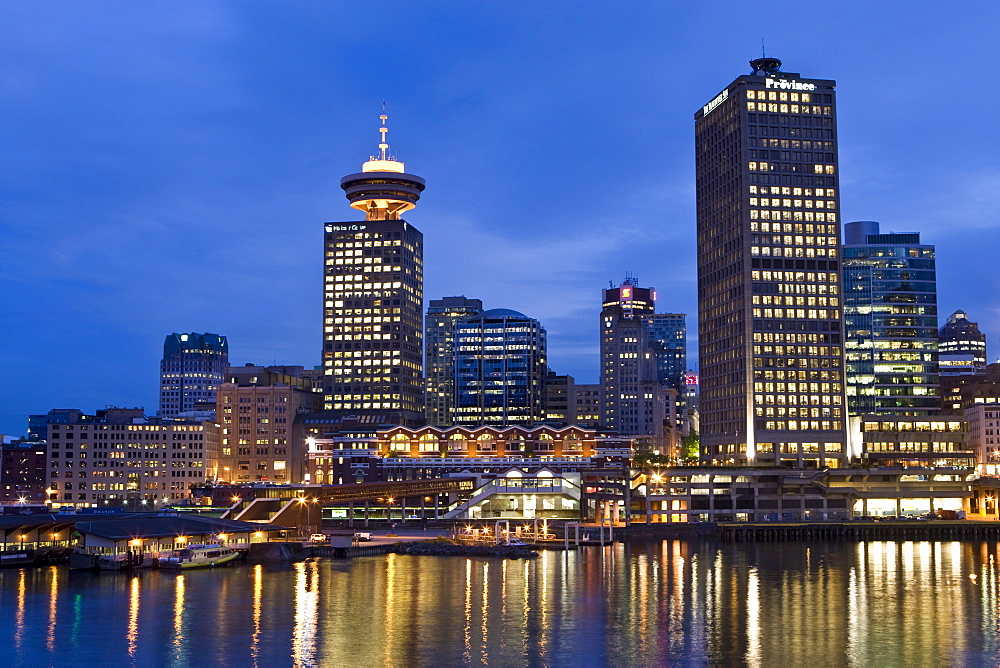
x=984 y=434
x=520 y=471
x=22 y=472
x=760 y=494
x=120 y=455
x=908 y=442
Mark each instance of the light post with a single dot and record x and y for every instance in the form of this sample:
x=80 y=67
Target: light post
x=303 y=500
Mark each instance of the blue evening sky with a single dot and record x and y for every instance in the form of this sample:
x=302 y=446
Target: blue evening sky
x=167 y=166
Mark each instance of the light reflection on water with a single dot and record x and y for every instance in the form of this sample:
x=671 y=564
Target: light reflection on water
x=665 y=602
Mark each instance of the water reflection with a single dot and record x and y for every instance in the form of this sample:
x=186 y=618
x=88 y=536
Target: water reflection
x=306 y=609
x=179 y=617
x=19 y=613
x=467 y=631
x=640 y=604
x=258 y=588
x=132 y=635
x=50 y=638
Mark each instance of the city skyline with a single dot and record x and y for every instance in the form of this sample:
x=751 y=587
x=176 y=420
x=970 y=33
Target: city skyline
x=171 y=170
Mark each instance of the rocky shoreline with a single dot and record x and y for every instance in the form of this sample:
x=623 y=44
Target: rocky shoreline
x=443 y=547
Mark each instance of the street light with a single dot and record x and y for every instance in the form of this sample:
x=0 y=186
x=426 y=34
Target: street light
x=306 y=501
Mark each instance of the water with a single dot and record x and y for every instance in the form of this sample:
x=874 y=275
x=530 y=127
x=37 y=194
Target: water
x=659 y=603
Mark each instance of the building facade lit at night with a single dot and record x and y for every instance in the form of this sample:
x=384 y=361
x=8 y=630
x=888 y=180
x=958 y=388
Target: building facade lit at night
x=633 y=399
x=500 y=368
x=192 y=367
x=373 y=296
x=890 y=320
x=769 y=297
x=439 y=355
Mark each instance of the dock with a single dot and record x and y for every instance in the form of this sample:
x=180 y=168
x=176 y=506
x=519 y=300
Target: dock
x=931 y=530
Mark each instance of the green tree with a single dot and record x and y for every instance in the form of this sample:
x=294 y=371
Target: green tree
x=690 y=448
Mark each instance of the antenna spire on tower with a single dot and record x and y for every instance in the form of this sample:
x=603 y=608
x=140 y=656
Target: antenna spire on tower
x=383 y=147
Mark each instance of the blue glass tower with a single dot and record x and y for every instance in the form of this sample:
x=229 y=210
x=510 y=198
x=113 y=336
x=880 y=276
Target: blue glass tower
x=500 y=366
x=890 y=320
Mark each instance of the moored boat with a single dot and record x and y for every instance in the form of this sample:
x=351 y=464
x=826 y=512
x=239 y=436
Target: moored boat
x=199 y=556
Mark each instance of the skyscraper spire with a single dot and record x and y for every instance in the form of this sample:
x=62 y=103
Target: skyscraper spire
x=383 y=147
x=382 y=189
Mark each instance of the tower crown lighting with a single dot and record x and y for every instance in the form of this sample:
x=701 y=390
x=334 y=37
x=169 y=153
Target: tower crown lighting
x=383 y=189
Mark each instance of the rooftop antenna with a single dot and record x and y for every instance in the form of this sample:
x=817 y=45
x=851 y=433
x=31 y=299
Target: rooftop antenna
x=762 y=55
x=383 y=147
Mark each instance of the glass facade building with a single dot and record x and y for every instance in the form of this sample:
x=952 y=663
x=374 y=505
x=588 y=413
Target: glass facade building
x=500 y=368
x=769 y=310
x=668 y=340
x=439 y=356
x=890 y=321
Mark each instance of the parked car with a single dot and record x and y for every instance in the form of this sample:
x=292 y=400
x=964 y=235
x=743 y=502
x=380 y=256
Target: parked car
x=362 y=536
x=318 y=538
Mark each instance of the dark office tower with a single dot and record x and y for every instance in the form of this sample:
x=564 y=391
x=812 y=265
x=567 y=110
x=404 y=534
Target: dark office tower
x=193 y=365
x=962 y=356
x=628 y=367
x=961 y=338
x=890 y=322
x=769 y=312
x=559 y=402
x=373 y=298
x=500 y=358
x=439 y=356
x=668 y=340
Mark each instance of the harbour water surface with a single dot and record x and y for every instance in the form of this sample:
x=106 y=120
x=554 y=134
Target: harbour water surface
x=658 y=603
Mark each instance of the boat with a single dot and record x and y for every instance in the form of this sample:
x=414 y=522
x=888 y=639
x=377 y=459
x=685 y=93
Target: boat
x=199 y=556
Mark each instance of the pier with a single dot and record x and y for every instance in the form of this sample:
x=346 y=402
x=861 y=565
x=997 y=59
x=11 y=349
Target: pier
x=859 y=531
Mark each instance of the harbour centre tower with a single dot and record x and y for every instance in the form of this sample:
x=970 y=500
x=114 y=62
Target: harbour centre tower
x=769 y=289
x=373 y=298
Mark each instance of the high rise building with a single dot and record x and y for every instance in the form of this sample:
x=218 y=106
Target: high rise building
x=962 y=358
x=769 y=311
x=960 y=337
x=439 y=356
x=668 y=340
x=500 y=367
x=628 y=366
x=192 y=367
x=373 y=297
x=890 y=322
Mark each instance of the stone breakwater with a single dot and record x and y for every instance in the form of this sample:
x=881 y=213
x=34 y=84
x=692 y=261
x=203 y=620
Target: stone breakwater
x=443 y=547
